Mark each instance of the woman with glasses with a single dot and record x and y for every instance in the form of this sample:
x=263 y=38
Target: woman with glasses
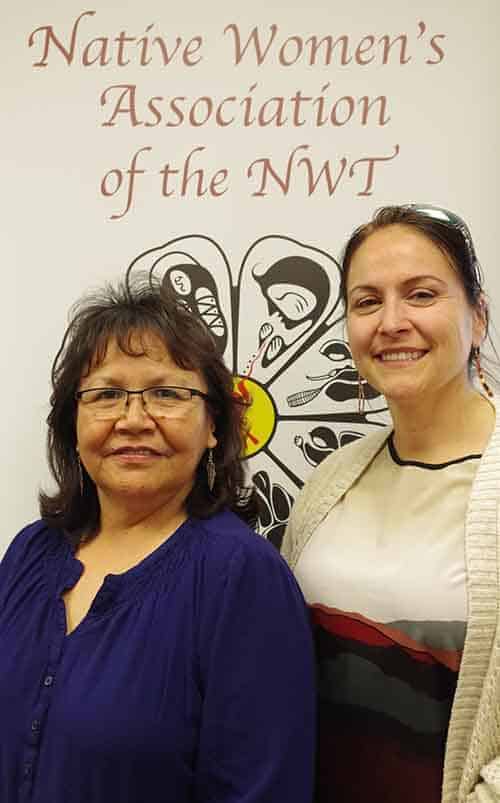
x=153 y=648
x=394 y=539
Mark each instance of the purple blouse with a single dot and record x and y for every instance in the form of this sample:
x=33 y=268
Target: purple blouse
x=190 y=680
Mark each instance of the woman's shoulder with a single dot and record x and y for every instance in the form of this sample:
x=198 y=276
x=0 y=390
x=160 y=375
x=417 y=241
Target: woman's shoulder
x=346 y=462
x=239 y=568
x=326 y=485
x=229 y=540
x=31 y=547
x=36 y=536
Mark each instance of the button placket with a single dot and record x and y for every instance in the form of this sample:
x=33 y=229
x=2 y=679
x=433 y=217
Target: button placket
x=36 y=725
x=28 y=768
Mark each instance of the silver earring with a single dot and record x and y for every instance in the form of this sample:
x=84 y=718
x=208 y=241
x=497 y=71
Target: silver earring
x=80 y=472
x=361 y=395
x=211 y=472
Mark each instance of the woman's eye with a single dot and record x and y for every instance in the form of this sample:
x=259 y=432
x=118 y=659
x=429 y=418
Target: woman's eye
x=165 y=394
x=108 y=394
x=366 y=303
x=422 y=296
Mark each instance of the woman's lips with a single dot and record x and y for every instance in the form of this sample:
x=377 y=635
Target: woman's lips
x=402 y=355
x=135 y=450
x=135 y=454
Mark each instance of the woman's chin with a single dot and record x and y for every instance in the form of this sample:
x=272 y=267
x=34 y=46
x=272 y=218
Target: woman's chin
x=404 y=393
x=131 y=491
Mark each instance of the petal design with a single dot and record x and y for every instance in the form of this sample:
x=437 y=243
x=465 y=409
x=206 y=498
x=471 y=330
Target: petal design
x=197 y=270
x=281 y=331
x=323 y=382
x=298 y=446
x=292 y=290
x=275 y=504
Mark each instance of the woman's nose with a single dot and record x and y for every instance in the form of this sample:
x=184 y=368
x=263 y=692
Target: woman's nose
x=393 y=317
x=135 y=415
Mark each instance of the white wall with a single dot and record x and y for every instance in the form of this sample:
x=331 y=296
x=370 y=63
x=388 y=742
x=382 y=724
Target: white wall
x=59 y=234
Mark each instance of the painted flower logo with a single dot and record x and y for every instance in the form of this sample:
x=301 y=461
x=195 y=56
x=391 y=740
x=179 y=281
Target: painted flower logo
x=280 y=330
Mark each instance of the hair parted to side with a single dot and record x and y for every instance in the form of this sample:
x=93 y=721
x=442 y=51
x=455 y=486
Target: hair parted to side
x=449 y=238
x=140 y=306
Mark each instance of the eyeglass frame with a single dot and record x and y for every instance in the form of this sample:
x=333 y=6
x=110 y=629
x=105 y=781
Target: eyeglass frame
x=192 y=391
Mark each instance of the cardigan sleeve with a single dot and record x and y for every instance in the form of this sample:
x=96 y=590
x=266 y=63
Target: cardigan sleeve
x=313 y=498
x=326 y=485
x=256 y=740
x=288 y=544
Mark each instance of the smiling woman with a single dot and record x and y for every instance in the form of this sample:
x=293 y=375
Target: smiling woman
x=394 y=540
x=152 y=645
x=410 y=325
x=142 y=447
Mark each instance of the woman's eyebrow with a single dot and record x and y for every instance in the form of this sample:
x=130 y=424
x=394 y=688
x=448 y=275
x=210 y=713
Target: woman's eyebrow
x=411 y=280
x=112 y=381
x=364 y=287
x=424 y=276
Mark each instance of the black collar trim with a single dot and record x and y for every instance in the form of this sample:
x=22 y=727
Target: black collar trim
x=431 y=466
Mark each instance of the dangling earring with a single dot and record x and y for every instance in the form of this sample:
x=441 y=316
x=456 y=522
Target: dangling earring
x=80 y=471
x=211 y=472
x=477 y=362
x=361 y=395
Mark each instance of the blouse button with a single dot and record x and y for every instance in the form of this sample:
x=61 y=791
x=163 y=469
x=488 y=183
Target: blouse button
x=27 y=770
x=35 y=725
x=48 y=680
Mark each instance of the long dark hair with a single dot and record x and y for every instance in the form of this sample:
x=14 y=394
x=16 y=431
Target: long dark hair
x=139 y=306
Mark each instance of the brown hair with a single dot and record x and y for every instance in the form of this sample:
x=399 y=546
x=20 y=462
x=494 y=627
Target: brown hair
x=139 y=306
x=452 y=237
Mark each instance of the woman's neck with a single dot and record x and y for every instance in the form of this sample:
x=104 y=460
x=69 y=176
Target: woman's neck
x=444 y=428
x=136 y=527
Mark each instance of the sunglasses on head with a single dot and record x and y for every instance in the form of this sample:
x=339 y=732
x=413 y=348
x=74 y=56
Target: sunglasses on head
x=441 y=215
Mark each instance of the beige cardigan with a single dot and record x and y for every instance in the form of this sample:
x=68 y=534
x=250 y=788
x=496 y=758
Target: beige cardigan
x=472 y=759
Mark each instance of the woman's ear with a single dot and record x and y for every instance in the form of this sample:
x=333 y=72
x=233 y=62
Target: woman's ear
x=212 y=440
x=480 y=321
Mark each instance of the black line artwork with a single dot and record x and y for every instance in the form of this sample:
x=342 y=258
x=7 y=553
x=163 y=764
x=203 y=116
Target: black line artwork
x=280 y=329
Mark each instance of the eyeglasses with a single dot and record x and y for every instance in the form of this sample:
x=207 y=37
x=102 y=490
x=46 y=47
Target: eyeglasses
x=159 y=402
x=451 y=219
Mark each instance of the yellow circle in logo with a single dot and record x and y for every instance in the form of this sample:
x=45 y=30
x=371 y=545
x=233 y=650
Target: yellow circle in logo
x=260 y=414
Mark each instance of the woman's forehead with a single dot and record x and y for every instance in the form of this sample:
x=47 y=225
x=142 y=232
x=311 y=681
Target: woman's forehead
x=400 y=249
x=136 y=348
